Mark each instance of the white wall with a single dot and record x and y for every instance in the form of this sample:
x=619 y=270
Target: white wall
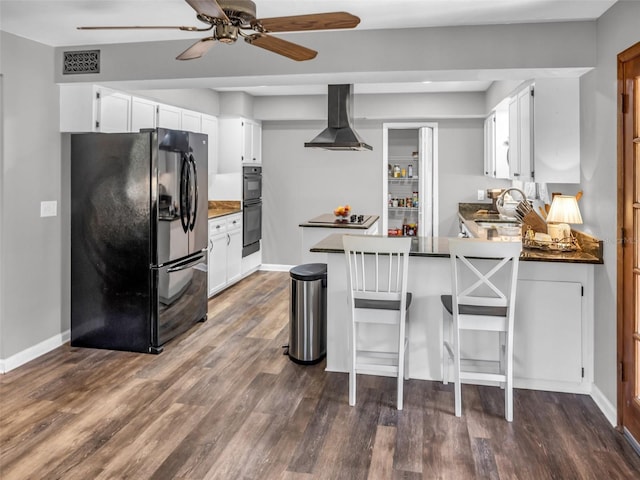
x=31 y=245
x=350 y=56
x=617 y=30
x=300 y=183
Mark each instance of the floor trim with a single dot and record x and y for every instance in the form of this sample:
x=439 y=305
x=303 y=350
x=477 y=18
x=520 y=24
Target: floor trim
x=606 y=407
x=632 y=441
x=274 y=267
x=31 y=353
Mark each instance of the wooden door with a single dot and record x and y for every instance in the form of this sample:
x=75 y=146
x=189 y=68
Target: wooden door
x=629 y=248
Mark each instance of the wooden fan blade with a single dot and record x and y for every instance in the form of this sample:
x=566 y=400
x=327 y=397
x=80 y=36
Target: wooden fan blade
x=281 y=47
x=314 y=21
x=198 y=49
x=146 y=27
x=210 y=8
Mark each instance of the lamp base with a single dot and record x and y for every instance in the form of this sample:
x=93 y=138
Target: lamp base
x=559 y=231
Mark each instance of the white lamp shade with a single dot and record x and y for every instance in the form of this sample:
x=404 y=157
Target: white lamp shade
x=564 y=209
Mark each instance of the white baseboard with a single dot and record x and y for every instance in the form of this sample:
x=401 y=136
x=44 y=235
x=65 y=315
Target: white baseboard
x=273 y=267
x=31 y=353
x=610 y=411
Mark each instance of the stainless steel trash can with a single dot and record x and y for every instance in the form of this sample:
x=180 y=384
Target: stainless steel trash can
x=308 y=313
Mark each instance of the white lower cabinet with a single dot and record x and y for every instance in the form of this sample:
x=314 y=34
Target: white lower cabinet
x=548 y=332
x=225 y=252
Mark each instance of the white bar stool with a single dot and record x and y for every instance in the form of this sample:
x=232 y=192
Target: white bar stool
x=377 y=294
x=484 y=278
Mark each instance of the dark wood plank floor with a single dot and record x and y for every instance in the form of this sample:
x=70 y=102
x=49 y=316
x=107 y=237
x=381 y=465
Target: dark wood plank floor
x=223 y=402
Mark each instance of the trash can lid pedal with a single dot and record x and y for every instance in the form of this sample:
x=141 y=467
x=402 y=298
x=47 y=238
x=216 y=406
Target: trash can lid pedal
x=309 y=271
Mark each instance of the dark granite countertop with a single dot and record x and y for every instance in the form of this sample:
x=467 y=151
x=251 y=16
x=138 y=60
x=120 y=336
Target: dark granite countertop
x=439 y=247
x=590 y=248
x=420 y=246
x=327 y=220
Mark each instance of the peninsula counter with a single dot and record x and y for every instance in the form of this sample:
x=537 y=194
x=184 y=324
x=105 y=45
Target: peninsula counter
x=553 y=336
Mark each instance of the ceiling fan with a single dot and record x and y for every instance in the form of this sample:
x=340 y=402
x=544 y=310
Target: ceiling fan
x=230 y=19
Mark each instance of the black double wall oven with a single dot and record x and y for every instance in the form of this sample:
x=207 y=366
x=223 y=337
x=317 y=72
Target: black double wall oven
x=252 y=209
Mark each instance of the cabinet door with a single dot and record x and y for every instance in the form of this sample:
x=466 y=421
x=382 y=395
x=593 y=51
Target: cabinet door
x=191 y=121
x=490 y=145
x=210 y=127
x=548 y=331
x=234 y=253
x=217 y=268
x=256 y=143
x=169 y=117
x=521 y=136
x=525 y=134
x=513 y=154
x=230 y=151
x=143 y=114
x=247 y=142
x=251 y=142
x=114 y=111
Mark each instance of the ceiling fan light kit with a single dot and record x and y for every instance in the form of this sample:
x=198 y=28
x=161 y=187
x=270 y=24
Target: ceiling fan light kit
x=228 y=20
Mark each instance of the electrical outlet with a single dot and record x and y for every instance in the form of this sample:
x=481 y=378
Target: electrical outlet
x=49 y=209
x=480 y=194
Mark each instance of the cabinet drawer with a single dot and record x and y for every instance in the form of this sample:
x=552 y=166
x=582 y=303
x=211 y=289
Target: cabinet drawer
x=234 y=222
x=218 y=225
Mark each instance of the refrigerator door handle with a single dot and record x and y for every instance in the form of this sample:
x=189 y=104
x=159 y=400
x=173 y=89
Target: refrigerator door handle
x=184 y=191
x=193 y=179
x=186 y=264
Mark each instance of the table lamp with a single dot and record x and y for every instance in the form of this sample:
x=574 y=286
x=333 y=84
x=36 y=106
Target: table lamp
x=564 y=211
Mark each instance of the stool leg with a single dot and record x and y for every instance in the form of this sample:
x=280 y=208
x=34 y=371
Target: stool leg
x=401 y=358
x=352 y=368
x=456 y=369
x=503 y=353
x=407 y=336
x=508 y=391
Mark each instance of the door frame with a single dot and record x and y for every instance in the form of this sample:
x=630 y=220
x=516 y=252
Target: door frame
x=624 y=182
x=430 y=164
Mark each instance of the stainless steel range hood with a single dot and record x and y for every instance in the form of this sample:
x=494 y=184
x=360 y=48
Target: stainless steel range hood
x=339 y=135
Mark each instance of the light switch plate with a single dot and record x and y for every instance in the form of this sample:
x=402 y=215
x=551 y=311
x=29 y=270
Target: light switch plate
x=49 y=208
x=480 y=194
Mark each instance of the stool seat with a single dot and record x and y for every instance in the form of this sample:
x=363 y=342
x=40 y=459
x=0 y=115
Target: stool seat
x=382 y=304
x=447 y=303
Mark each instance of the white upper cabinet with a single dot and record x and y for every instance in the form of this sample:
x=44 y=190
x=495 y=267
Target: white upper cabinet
x=89 y=108
x=544 y=131
x=520 y=135
x=241 y=144
x=210 y=127
x=169 y=117
x=496 y=142
x=252 y=142
x=114 y=111
x=143 y=114
x=191 y=121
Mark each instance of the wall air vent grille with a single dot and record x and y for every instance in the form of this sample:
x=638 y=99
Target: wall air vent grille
x=87 y=61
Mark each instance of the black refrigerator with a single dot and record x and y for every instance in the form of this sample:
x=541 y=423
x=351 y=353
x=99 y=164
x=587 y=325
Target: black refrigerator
x=138 y=238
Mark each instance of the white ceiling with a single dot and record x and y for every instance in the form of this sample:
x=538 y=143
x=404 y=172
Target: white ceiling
x=54 y=22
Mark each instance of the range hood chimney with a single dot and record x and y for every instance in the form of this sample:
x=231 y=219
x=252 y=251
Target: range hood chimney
x=339 y=135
